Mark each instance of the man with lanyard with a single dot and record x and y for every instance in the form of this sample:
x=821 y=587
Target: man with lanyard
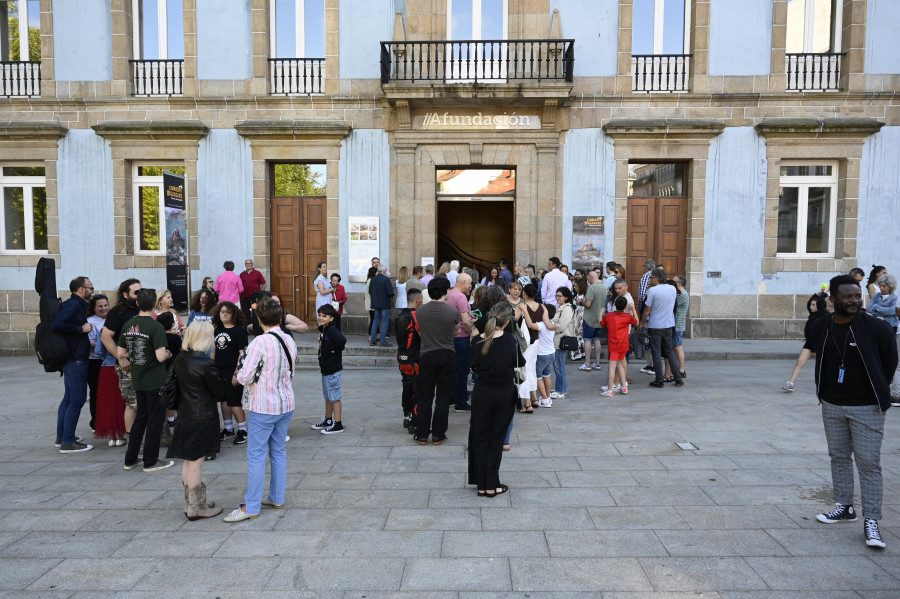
x=855 y=359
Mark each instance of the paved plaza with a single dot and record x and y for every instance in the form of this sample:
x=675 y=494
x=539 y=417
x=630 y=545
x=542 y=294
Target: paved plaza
x=602 y=502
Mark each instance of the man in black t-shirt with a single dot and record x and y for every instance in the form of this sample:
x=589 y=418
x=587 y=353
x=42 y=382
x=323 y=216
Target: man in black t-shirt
x=125 y=309
x=855 y=359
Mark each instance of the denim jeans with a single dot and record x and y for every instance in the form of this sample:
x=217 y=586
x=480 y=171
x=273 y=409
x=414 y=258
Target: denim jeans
x=75 y=384
x=508 y=431
x=266 y=433
x=460 y=388
x=661 y=347
x=381 y=321
x=559 y=367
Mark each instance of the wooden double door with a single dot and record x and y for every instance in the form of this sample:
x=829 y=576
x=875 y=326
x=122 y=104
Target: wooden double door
x=657 y=229
x=298 y=244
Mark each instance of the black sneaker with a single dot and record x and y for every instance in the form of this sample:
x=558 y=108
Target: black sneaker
x=226 y=434
x=420 y=440
x=873 y=537
x=326 y=422
x=78 y=439
x=657 y=384
x=462 y=407
x=412 y=425
x=840 y=513
x=75 y=447
x=679 y=383
x=406 y=421
x=648 y=370
x=240 y=438
x=336 y=427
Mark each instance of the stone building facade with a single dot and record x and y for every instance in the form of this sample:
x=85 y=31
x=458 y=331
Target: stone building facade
x=780 y=117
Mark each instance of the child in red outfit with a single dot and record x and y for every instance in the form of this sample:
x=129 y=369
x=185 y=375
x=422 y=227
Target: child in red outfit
x=618 y=324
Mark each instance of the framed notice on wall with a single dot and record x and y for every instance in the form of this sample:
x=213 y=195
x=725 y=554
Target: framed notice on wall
x=587 y=242
x=364 y=234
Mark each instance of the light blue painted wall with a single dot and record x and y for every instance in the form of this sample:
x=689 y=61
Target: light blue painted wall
x=224 y=44
x=882 y=41
x=364 y=190
x=82 y=40
x=734 y=228
x=589 y=180
x=224 y=203
x=363 y=24
x=740 y=37
x=879 y=201
x=594 y=24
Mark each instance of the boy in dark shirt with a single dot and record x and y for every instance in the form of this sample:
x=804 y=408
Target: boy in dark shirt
x=408 y=343
x=331 y=347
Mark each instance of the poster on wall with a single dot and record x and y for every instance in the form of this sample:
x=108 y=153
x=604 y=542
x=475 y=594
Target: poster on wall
x=587 y=242
x=176 y=239
x=364 y=231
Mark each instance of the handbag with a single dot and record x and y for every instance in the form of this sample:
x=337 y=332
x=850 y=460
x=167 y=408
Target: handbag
x=568 y=343
x=168 y=393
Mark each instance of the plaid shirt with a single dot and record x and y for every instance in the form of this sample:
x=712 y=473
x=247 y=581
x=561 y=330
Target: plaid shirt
x=272 y=393
x=642 y=287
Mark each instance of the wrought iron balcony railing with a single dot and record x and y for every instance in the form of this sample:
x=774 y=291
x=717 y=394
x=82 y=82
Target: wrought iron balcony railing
x=289 y=76
x=20 y=79
x=813 y=72
x=158 y=77
x=478 y=61
x=660 y=72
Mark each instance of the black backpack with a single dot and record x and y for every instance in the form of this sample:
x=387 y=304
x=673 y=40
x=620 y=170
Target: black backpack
x=52 y=348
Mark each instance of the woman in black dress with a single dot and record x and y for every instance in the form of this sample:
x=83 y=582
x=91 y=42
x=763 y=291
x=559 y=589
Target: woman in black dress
x=494 y=356
x=197 y=390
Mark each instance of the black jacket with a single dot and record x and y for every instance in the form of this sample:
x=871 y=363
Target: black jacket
x=71 y=317
x=875 y=343
x=381 y=291
x=199 y=387
x=408 y=339
x=331 y=344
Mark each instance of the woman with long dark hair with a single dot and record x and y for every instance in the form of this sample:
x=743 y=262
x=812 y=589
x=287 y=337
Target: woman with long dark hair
x=201 y=306
x=872 y=283
x=98 y=308
x=494 y=357
x=565 y=327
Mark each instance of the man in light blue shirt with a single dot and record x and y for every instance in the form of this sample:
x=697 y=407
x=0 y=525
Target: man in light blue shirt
x=659 y=317
x=610 y=274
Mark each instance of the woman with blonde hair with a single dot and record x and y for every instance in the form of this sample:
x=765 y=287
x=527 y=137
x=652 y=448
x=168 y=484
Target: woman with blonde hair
x=164 y=303
x=494 y=357
x=195 y=393
x=402 y=278
x=444 y=269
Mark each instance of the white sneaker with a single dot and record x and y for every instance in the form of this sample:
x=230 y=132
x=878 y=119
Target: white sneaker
x=788 y=387
x=625 y=390
x=606 y=394
x=546 y=403
x=606 y=388
x=555 y=395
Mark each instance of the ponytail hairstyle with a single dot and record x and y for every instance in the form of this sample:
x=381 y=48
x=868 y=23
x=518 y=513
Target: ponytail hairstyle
x=877 y=271
x=499 y=316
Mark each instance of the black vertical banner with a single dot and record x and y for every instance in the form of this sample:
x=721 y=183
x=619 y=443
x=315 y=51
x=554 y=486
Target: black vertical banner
x=176 y=239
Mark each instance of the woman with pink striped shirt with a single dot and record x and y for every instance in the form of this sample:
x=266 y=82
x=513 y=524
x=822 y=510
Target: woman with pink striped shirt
x=266 y=373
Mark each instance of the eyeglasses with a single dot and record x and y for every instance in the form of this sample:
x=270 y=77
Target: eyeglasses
x=86 y=287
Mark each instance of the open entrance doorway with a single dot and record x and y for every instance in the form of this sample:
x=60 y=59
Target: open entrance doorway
x=657 y=219
x=476 y=216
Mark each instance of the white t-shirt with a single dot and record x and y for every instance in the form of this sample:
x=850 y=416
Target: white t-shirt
x=545 y=340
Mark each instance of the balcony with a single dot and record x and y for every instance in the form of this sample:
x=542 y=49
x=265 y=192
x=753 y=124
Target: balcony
x=478 y=61
x=158 y=77
x=296 y=76
x=20 y=79
x=813 y=72
x=668 y=73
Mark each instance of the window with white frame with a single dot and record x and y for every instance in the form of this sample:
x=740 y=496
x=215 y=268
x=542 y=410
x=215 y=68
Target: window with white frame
x=813 y=26
x=477 y=19
x=20 y=30
x=158 y=29
x=149 y=210
x=660 y=27
x=298 y=28
x=807 y=212
x=24 y=209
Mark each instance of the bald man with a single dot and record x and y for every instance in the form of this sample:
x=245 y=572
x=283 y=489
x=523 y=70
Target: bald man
x=459 y=299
